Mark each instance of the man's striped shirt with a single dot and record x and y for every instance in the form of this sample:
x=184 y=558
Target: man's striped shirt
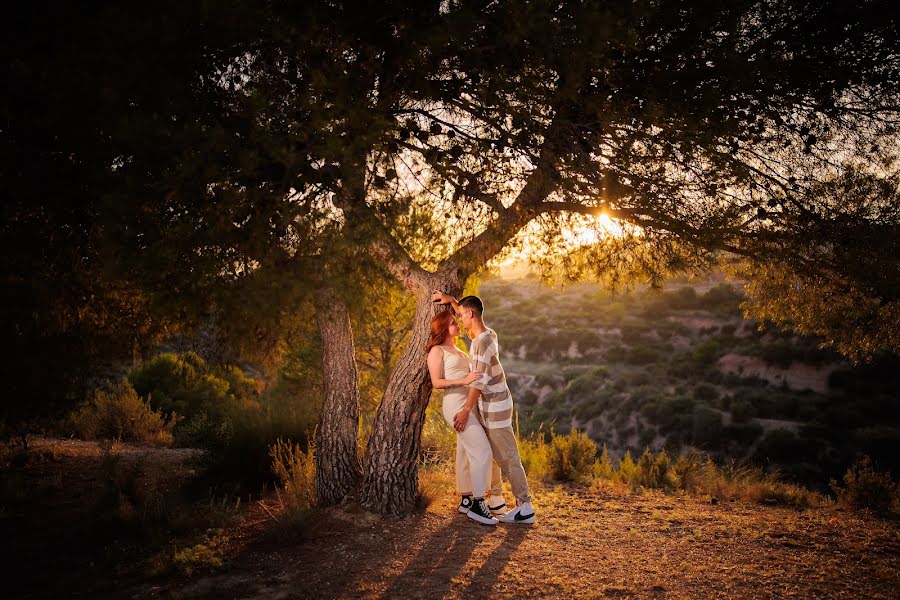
x=495 y=402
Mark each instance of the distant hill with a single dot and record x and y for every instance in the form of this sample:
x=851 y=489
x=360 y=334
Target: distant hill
x=682 y=368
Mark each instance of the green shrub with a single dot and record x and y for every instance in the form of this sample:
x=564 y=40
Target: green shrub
x=197 y=558
x=742 y=410
x=653 y=472
x=223 y=412
x=722 y=299
x=682 y=298
x=602 y=468
x=616 y=354
x=203 y=431
x=705 y=391
x=587 y=384
x=642 y=355
x=672 y=413
x=780 y=446
x=118 y=412
x=186 y=385
x=691 y=471
x=571 y=457
x=706 y=352
x=237 y=449
x=743 y=434
x=626 y=470
x=535 y=455
x=438 y=441
x=707 y=430
x=868 y=489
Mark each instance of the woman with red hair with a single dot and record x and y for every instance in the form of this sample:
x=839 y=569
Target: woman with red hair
x=449 y=369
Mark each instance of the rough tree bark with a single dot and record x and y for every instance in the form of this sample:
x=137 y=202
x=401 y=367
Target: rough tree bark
x=390 y=478
x=390 y=482
x=338 y=469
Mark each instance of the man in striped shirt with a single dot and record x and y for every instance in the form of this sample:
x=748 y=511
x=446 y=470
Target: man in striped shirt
x=495 y=405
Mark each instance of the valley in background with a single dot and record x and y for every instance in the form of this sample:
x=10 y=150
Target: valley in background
x=681 y=368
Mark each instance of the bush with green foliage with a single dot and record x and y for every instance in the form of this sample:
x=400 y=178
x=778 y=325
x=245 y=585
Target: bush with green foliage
x=781 y=446
x=643 y=354
x=438 y=439
x=627 y=469
x=571 y=457
x=707 y=427
x=867 y=488
x=706 y=392
x=117 y=412
x=602 y=468
x=653 y=472
x=707 y=352
x=741 y=410
x=220 y=410
x=535 y=454
x=691 y=471
x=186 y=385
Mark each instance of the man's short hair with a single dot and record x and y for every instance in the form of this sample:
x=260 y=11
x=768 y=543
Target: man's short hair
x=473 y=302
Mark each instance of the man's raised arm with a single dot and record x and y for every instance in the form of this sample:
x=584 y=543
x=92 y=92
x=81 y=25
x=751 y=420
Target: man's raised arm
x=442 y=298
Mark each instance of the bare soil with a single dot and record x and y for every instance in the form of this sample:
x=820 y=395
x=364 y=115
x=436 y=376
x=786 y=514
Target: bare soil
x=588 y=542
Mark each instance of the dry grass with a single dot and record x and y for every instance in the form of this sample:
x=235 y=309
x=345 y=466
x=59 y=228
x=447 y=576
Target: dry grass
x=434 y=482
x=118 y=412
x=605 y=541
x=296 y=470
x=609 y=539
x=571 y=458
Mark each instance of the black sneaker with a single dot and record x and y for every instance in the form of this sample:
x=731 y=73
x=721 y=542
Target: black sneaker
x=465 y=504
x=481 y=513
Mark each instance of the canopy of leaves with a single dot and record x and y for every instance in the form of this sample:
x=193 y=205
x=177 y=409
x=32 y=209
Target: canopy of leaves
x=154 y=155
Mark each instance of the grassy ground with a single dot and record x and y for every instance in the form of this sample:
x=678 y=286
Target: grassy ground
x=589 y=541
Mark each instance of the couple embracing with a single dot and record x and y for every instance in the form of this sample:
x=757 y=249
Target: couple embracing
x=478 y=405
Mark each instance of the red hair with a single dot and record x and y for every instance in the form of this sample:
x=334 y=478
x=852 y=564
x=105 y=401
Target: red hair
x=440 y=329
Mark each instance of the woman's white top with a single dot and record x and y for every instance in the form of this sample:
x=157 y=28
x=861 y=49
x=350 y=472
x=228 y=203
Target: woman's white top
x=455 y=367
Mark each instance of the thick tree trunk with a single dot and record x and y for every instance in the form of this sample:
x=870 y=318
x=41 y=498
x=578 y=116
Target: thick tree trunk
x=390 y=482
x=338 y=469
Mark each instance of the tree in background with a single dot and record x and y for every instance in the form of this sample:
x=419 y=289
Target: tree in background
x=89 y=91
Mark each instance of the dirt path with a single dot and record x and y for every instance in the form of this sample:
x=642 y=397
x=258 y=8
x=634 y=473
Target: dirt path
x=595 y=544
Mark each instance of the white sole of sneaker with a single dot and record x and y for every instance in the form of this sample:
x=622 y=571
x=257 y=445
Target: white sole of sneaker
x=462 y=510
x=482 y=520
